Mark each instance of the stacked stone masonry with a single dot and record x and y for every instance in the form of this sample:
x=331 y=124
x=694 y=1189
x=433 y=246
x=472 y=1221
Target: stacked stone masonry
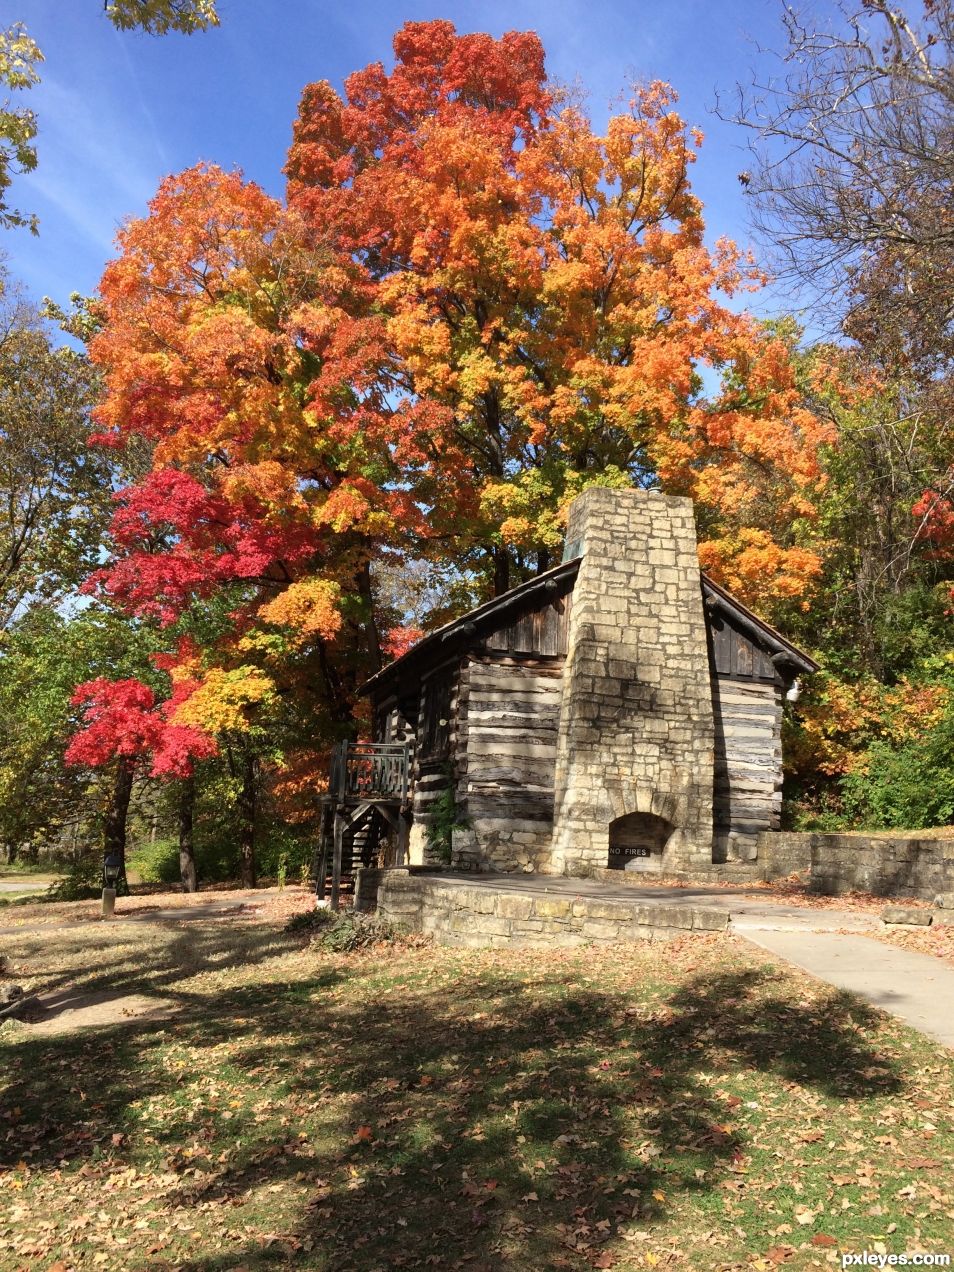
x=453 y=913
x=885 y=865
x=636 y=724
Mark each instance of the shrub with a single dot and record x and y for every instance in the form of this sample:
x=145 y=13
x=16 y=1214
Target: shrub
x=906 y=787
x=280 y=851
x=343 y=932
x=82 y=882
x=156 y=862
x=442 y=821
x=284 y=846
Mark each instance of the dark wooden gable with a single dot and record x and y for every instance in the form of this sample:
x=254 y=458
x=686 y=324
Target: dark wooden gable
x=743 y=646
x=734 y=653
x=540 y=631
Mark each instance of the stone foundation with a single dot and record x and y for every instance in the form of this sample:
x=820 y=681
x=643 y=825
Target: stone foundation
x=453 y=913
x=505 y=844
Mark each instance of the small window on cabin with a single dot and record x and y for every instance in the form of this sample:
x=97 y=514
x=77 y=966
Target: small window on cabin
x=435 y=724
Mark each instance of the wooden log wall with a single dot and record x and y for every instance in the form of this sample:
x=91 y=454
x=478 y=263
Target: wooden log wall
x=748 y=755
x=508 y=712
x=432 y=771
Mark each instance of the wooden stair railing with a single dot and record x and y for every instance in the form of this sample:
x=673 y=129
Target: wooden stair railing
x=367 y=792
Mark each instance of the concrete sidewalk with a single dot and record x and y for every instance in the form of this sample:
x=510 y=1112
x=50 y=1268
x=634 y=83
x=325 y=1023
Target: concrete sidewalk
x=917 y=988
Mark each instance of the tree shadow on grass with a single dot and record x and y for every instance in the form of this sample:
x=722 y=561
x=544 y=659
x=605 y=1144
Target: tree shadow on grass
x=121 y=962
x=489 y=1123
x=483 y=1124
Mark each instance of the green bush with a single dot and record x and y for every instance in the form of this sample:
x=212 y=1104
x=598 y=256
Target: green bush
x=442 y=821
x=156 y=862
x=82 y=882
x=907 y=787
x=823 y=816
x=285 y=846
x=216 y=856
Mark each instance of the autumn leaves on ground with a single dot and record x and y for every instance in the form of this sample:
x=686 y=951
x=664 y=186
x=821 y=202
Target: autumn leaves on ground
x=682 y=1105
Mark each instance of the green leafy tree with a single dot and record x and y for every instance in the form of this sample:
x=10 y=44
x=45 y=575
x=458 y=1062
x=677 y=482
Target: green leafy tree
x=43 y=657
x=55 y=491
x=159 y=17
x=19 y=58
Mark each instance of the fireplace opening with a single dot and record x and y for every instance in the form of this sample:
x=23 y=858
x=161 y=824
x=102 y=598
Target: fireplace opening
x=637 y=841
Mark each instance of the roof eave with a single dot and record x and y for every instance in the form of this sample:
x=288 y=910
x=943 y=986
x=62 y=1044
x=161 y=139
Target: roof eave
x=466 y=625
x=779 y=646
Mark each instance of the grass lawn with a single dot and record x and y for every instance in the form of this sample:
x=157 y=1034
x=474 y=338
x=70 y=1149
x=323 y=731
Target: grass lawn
x=681 y=1105
x=21 y=880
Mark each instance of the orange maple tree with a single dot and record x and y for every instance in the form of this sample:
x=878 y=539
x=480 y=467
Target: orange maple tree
x=471 y=306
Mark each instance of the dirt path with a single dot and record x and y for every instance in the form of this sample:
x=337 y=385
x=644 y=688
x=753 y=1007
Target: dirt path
x=159 y=908
x=90 y=972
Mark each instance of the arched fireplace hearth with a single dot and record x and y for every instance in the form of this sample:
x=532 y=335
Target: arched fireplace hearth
x=637 y=842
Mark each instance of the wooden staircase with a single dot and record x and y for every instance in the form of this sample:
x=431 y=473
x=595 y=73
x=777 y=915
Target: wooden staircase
x=366 y=803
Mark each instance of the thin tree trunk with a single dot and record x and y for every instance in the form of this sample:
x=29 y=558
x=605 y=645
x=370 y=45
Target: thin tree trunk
x=366 y=592
x=501 y=560
x=186 y=846
x=246 y=806
x=114 y=833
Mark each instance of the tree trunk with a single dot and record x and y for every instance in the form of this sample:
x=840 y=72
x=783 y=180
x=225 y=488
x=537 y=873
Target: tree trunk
x=246 y=807
x=11 y=853
x=114 y=833
x=366 y=592
x=501 y=560
x=186 y=847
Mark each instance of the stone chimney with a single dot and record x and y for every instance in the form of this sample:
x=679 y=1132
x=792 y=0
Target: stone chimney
x=635 y=744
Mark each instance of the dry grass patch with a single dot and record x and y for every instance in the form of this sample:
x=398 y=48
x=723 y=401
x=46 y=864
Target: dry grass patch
x=684 y=1105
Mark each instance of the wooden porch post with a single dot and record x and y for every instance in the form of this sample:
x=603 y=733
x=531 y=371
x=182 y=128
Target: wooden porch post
x=321 y=871
x=404 y=834
x=336 y=860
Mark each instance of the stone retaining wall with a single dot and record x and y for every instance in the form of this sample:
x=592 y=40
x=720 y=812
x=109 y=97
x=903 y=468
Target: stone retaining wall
x=831 y=865
x=781 y=853
x=888 y=866
x=456 y=913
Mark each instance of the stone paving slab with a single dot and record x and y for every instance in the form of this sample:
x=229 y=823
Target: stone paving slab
x=917 y=988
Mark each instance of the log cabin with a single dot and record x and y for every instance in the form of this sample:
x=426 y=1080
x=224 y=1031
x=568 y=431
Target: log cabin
x=621 y=711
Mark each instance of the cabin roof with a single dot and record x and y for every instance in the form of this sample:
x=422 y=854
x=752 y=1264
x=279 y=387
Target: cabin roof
x=455 y=636
x=717 y=598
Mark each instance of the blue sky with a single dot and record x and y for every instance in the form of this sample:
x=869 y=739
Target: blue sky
x=119 y=111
